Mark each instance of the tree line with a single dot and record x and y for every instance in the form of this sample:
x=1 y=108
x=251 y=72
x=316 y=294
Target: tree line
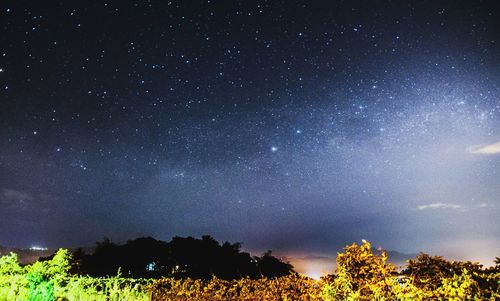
x=198 y=269
x=182 y=257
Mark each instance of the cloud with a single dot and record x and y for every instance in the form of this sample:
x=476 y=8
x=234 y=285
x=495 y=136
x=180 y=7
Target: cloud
x=485 y=149
x=488 y=205
x=451 y=206
x=15 y=199
x=440 y=206
x=10 y=195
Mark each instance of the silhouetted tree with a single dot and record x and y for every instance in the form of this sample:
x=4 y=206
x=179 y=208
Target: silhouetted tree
x=271 y=267
x=79 y=257
x=205 y=258
x=182 y=257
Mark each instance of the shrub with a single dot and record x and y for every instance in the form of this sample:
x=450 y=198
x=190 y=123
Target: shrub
x=361 y=275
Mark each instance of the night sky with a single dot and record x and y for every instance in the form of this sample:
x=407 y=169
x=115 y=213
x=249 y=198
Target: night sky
x=294 y=126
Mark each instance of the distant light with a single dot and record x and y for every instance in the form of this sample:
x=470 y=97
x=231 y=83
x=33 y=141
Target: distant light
x=314 y=274
x=37 y=248
x=274 y=149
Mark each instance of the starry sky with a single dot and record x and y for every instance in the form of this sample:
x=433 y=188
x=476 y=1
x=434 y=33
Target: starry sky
x=297 y=126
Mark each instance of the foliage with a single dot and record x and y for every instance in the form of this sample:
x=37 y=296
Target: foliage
x=407 y=291
x=182 y=257
x=49 y=281
x=427 y=271
x=489 y=284
x=360 y=275
x=271 y=267
x=453 y=279
x=105 y=289
x=9 y=265
x=459 y=287
x=40 y=289
x=291 y=287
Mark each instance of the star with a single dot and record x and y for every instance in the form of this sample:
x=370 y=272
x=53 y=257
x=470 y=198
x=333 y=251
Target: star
x=334 y=115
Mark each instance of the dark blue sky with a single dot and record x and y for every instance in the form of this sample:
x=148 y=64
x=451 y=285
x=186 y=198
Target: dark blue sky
x=295 y=126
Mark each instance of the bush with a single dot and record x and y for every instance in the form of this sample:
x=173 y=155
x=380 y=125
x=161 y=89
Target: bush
x=360 y=275
x=291 y=287
x=49 y=280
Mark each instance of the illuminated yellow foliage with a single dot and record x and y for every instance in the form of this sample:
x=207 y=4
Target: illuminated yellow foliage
x=9 y=265
x=360 y=275
x=457 y=288
x=291 y=287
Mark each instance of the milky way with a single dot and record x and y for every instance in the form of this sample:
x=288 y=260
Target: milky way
x=288 y=125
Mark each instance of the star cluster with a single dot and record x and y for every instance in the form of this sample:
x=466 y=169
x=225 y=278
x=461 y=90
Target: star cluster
x=293 y=125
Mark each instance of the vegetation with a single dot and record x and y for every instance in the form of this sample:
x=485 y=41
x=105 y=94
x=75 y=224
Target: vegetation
x=183 y=257
x=291 y=287
x=360 y=275
x=49 y=280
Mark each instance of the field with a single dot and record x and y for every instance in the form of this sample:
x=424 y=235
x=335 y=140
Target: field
x=361 y=275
